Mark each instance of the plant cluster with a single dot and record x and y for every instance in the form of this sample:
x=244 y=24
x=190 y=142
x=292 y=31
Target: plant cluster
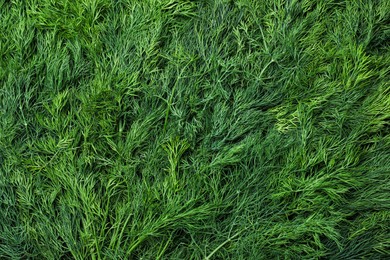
x=178 y=129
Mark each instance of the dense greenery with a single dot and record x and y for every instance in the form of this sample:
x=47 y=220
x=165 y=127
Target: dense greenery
x=209 y=129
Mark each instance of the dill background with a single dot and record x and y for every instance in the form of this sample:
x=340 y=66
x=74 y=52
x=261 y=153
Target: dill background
x=168 y=129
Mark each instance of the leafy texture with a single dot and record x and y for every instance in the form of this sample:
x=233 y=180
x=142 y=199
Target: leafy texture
x=166 y=129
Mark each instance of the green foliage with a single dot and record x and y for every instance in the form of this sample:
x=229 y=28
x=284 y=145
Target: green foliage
x=167 y=129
